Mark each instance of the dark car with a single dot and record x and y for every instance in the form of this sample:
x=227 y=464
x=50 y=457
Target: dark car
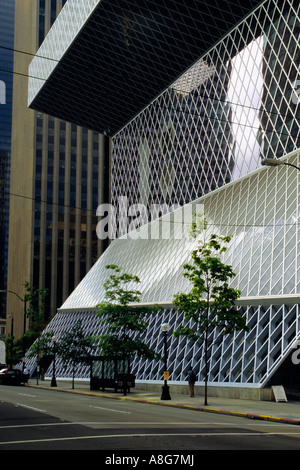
x=11 y=377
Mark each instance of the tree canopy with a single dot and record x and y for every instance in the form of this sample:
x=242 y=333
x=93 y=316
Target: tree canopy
x=124 y=319
x=211 y=302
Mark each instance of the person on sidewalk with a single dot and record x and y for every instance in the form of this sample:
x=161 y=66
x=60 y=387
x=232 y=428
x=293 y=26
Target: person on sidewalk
x=191 y=381
x=25 y=375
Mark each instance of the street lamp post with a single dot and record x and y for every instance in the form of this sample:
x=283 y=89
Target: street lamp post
x=11 y=324
x=275 y=162
x=53 y=381
x=165 y=327
x=24 y=319
x=11 y=336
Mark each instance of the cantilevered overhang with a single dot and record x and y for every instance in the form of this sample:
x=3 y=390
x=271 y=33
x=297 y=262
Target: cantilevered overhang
x=105 y=60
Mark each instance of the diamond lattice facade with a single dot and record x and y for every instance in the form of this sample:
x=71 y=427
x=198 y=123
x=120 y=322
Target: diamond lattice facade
x=200 y=144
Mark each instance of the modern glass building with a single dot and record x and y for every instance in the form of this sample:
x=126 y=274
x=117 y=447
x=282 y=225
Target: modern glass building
x=224 y=101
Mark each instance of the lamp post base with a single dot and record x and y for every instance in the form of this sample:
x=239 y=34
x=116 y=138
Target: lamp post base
x=53 y=382
x=165 y=393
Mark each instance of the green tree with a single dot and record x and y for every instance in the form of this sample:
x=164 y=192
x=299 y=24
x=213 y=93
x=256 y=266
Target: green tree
x=35 y=301
x=43 y=346
x=36 y=310
x=123 y=320
x=42 y=349
x=14 y=351
x=211 y=302
x=75 y=347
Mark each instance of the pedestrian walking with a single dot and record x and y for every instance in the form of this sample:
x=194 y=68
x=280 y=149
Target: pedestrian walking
x=25 y=375
x=191 y=381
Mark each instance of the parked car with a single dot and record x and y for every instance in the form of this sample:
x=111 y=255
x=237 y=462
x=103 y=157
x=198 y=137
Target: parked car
x=11 y=377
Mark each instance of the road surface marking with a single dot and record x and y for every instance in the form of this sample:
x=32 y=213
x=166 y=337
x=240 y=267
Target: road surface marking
x=138 y=423
x=31 y=407
x=109 y=409
x=27 y=395
x=118 y=436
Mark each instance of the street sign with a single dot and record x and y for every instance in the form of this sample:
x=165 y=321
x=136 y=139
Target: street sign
x=279 y=393
x=166 y=375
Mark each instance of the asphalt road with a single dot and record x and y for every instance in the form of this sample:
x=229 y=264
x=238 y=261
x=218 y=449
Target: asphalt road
x=35 y=419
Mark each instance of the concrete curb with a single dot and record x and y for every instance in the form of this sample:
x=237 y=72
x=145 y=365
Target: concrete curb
x=179 y=405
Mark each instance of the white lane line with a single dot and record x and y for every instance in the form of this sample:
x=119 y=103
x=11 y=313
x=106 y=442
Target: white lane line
x=144 y=423
x=31 y=407
x=27 y=395
x=118 y=436
x=114 y=423
x=18 y=426
x=109 y=409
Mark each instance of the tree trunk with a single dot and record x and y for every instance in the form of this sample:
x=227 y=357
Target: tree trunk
x=124 y=379
x=206 y=367
x=73 y=377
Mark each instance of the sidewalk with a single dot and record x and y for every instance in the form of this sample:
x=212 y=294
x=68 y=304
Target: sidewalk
x=282 y=412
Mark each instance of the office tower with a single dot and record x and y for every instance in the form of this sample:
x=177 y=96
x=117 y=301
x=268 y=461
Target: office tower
x=6 y=82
